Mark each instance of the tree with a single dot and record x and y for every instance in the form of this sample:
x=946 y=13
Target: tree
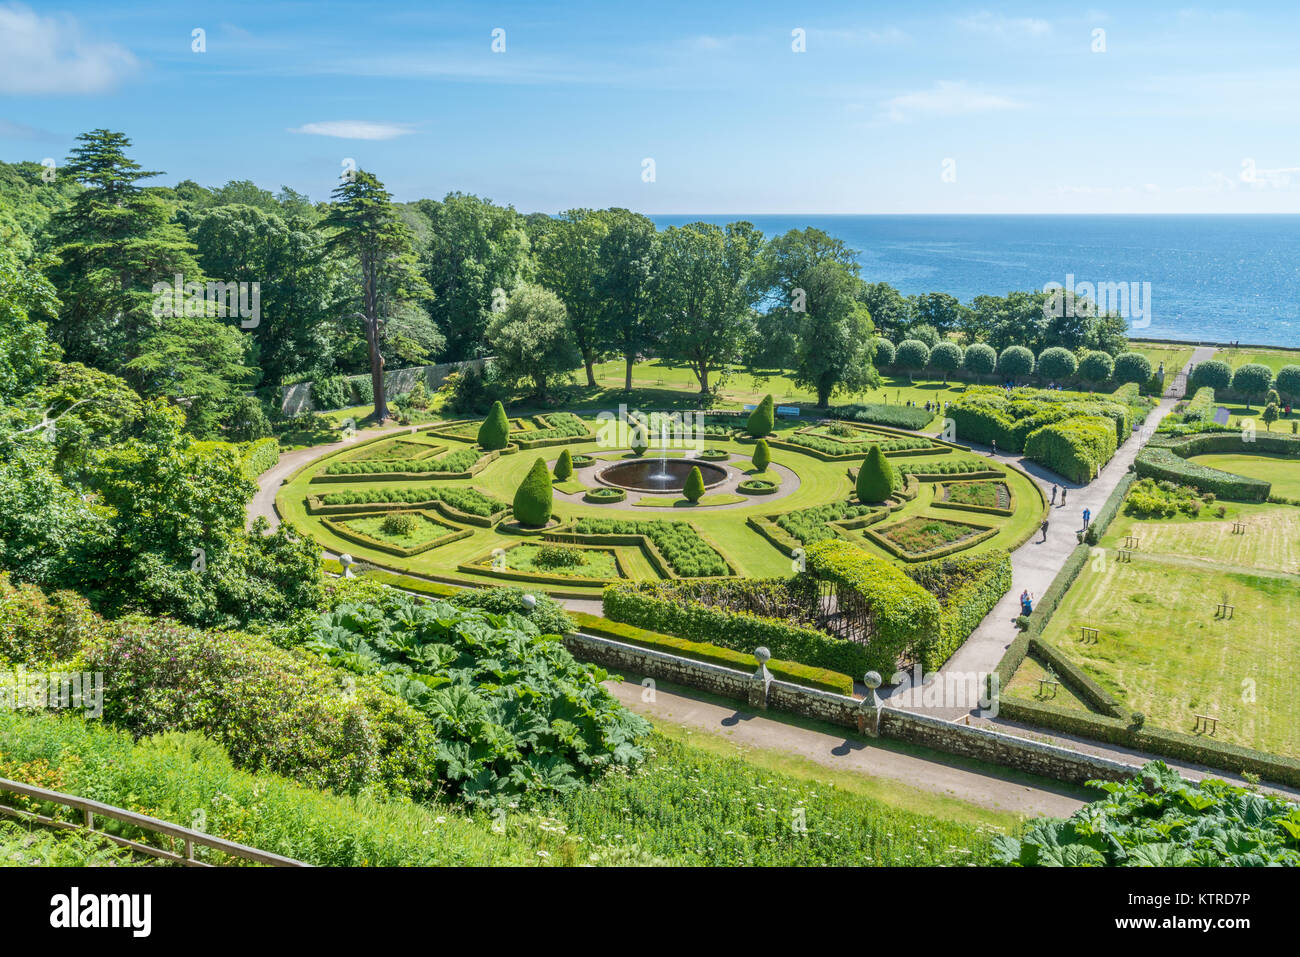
x=1057 y=363
x=494 y=433
x=297 y=283
x=1097 y=367
x=25 y=349
x=1288 y=381
x=877 y=479
x=762 y=456
x=1270 y=415
x=627 y=323
x=924 y=332
x=477 y=253
x=890 y=311
x=568 y=264
x=365 y=226
x=532 y=340
x=1212 y=374
x=564 y=466
x=912 y=355
x=762 y=419
x=693 y=490
x=938 y=310
x=114 y=242
x=1252 y=381
x=980 y=359
x=946 y=357
x=532 y=504
x=705 y=291
x=1015 y=361
x=1132 y=367
x=810 y=285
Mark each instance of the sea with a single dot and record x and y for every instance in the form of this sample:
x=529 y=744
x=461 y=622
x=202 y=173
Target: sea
x=1212 y=278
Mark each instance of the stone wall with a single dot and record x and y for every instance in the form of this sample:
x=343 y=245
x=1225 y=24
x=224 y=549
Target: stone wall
x=296 y=399
x=762 y=692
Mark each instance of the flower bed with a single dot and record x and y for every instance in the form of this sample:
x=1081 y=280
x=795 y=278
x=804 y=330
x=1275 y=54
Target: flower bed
x=757 y=487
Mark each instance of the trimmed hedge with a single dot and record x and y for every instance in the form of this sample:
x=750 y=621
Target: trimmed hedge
x=763 y=419
x=1168 y=461
x=604 y=495
x=906 y=616
x=792 y=671
x=967 y=589
x=757 y=487
x=667 y=607
x=532 y=504
x=453 y=534
x=877 y=479
x=1075 y=448
x=259 y=456
x=898 y=416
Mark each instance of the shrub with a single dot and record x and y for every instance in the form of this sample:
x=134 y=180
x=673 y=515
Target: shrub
x=330 y=392
x=1075 y=448
x=1213 y=374
x=882 y=352
x=1147 y=499
x=762 y=455
x=946 y=357
x=1015 y=361
x=546 y=614
x=912 y=355
x=680 y=544
x=417 y=397
x=763 y=419
x=247 y=420
x=1288 y=381
x=1057 y=363
x=694 y=487
x=1163 y=463
x=1252 y=380
x=604 y=495
x=895 y=416
x=564 y=466
x=877 y=479
x=559 y=556
x=533 y=498
x=399 y=524
x=980 y=359
x=494 y=433
x=638 y=441
x=1132 y=367
x=1096 y=367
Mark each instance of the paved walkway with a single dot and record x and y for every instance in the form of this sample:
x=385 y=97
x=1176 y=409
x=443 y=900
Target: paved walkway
x=1036 y=563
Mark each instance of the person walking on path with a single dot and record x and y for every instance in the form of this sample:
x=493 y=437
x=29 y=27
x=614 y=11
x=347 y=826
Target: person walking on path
x=1087 y=515
x=1053 y=493
x=1044 y=528
x=994 y=445
x=1063 y=491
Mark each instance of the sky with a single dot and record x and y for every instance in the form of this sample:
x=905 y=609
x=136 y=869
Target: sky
x=670 y=107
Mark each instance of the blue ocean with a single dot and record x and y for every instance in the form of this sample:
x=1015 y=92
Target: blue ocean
x=1213 y=278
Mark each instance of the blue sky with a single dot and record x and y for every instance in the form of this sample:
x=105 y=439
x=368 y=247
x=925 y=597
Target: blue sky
x=1186 y=110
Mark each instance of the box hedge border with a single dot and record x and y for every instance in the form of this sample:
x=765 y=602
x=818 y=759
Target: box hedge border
x=335 y=525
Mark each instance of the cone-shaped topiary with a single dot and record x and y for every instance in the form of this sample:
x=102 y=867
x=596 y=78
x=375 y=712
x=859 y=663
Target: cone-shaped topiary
x=564 y=466
x=762 y=456
x=532 y=503
x=638 y=441
x=762 y=419
x=494 y=433
x=877 y=478
x=694 y=489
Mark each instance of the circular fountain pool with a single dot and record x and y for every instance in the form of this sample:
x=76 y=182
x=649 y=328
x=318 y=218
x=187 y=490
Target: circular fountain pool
x=659 y=475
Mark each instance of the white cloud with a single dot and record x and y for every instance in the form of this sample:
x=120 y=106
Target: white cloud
x=999 y=26
x=354 y=130
x=47 y=55
x=946 y=99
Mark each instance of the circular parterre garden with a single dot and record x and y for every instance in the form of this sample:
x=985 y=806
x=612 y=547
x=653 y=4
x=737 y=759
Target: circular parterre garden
x=458 y=501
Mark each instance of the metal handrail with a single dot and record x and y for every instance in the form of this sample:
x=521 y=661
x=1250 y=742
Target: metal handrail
x=90 y=808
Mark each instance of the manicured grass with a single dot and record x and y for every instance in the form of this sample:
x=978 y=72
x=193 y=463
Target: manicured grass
x=1162 y=649
x=425 y=529
x=594 y=562
x=920 y=534
x=1275 y=359
x=572 y=486
x=986 y=494
x=1175 y=357
x=1024 y=684
x=1284 y=473
x=665 y=501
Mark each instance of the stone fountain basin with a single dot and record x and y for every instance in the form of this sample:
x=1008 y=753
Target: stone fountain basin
x=636 y=476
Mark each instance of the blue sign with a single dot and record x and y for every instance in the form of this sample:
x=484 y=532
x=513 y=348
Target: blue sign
x=788 y=410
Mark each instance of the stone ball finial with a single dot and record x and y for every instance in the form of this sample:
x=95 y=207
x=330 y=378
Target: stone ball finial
x=872 y=680
x=762 y=654
x=345 y=559
x=530 y=602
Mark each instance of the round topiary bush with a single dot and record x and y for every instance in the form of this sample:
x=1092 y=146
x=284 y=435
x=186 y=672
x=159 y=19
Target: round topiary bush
x=1132 y=367
x=398 y=524
x=946 y=357
x=1288 y=381
x=757 y=487
x=877 y=479
x=694 y=489
x=763 y=419
x=980 y=359
x=1015 y=361
x=762 y=456
x=532 y=504
x=604 y=496
x=564 y=466
x=1096 y=367
x=1057 y=363
x=912 y=356
x=882 y=351
x=494 y=433
x=1212 y=374
x=1252 y=381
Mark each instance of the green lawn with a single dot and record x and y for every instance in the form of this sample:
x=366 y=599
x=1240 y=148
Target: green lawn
x=1164 y=651
x=1284 y=473
x=1174 y=356
x=1275 y=359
